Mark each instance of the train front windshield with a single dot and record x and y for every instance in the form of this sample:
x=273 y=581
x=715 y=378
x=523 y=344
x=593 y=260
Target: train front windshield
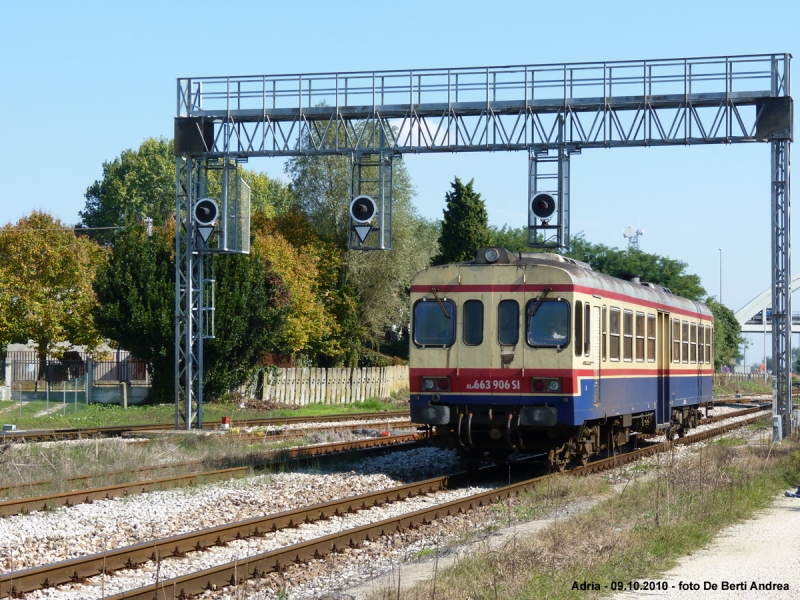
x=435 y=323
x=548 y=323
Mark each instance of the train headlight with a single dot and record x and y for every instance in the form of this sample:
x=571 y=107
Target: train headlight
x=548 y=384
x=492 y=255
x=428 y=384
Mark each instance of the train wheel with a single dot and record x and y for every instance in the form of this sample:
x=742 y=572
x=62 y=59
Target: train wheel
x=557 y=461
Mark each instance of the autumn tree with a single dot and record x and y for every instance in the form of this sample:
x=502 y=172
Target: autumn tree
x=465 y=228
x=308 y=267
x=46 y=293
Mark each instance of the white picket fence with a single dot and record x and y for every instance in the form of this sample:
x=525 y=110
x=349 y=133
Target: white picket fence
x=334 y=386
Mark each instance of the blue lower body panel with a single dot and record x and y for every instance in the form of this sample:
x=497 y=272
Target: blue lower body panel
x=618 y=396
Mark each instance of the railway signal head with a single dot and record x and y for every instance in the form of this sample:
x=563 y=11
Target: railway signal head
x=206 y=212
x=362 y=209
x=543 y=205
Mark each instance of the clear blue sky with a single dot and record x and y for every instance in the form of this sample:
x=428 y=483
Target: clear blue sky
x=82 y=81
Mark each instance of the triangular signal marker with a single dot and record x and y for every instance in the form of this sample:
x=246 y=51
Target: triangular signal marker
x=205 y=232
x=362 y=231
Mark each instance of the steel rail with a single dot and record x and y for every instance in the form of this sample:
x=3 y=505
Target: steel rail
x=257 y=566
x=80 y=568
x=186 y=586
x=50 y=501
x=263 y=437
x=118 y=430
x=709 y=420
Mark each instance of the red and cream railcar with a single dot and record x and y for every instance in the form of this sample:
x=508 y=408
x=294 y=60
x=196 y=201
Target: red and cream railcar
x=536 y=352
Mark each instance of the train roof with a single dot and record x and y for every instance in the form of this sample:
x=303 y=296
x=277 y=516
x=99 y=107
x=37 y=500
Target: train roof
x=582 y=274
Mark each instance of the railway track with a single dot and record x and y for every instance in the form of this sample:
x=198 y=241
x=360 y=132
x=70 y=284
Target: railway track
x=16 y=584
x=93 y=432
x=245 y=437
x=242 y=467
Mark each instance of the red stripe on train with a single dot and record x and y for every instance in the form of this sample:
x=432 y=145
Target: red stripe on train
x=513 y=381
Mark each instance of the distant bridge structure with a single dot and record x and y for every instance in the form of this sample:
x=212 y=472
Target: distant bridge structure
x=752 y=315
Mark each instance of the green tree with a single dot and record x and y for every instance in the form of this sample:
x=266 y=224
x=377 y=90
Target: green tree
x=46 y=294
x=136 y=290
x=465 y=227
x=251 y=305
x=137 y=184
x=370 y=293
x=727 y=334
x=653 y=268
x=512 y=238
x=268 y=196
x=141 y=183
x=136 y=293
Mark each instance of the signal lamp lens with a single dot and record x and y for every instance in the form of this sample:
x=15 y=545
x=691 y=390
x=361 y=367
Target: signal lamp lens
x=428 y=385
x=444 y=384
x=538 y=385
x=553 y=385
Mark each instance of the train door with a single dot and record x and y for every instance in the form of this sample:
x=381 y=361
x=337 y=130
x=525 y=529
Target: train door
x=507 y=336
x=595 y=352
x=663 y=409
x=475 y=355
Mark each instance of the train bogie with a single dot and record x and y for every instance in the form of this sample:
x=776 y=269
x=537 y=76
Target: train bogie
x=538 y=353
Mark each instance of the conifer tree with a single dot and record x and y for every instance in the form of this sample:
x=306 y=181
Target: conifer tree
x=465 y=228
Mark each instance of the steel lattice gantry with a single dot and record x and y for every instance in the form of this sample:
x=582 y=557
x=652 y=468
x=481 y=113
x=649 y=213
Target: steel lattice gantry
x=556 y=108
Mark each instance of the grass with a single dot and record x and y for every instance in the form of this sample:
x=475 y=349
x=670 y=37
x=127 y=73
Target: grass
x=746 y=388
x=109 y=415
x=637 y=531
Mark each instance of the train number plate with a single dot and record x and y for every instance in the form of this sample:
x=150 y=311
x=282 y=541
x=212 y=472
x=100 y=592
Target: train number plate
x=494 y=385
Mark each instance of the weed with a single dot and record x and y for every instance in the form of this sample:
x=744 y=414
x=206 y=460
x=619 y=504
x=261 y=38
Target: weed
x=637 y=533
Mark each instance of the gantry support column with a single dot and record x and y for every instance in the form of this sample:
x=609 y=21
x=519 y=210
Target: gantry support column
x=188 y=300
x=781 y=283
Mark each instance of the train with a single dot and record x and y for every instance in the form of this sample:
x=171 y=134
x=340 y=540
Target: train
x=536 y=353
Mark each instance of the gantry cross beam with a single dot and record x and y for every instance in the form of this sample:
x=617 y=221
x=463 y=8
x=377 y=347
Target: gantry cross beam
x=536 y=108
x=629 y=103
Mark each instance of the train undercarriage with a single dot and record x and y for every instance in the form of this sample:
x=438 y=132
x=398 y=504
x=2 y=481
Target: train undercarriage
x=502 y=430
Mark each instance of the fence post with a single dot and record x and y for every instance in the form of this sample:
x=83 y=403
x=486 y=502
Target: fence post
x=89 y=379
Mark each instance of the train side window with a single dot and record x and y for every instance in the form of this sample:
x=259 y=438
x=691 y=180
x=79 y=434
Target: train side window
x=701 y=344
x=614 y=333
x=434 y=323
x=627 y=335
x=685 y=342
x=639 y=336
x=547 y=323
x=473 y=323
x=605 y=333
x=508 y=322
x=676 y=340
x=587 y=329
x=578 y=328
x=693 y=343
x=709 y=353
x=651 y=338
